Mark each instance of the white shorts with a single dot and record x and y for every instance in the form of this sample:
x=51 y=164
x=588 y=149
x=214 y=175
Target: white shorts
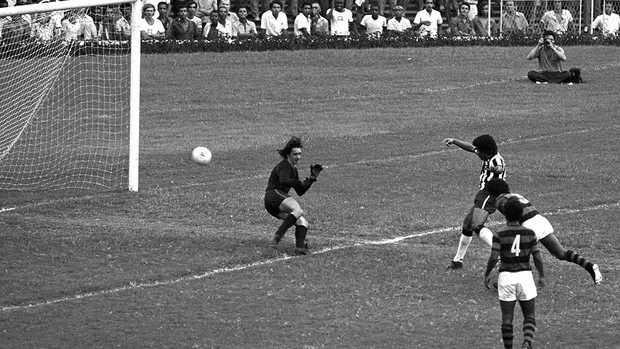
x=540 y=225
x=518 y=285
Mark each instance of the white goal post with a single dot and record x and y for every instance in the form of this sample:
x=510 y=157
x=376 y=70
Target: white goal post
x=62 y=125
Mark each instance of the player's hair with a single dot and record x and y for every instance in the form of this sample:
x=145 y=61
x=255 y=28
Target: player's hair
x=497 y=187
x=513 y=210
x=486 y=144
x=294 y=142
x=547 y=33
x=275 y=2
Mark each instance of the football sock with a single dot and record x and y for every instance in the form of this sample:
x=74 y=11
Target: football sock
x=529 y=327
x=574 y=257
x=288 y=222
x=463 y=245
x=507 y=335
x=486 y=235
x=300 y=236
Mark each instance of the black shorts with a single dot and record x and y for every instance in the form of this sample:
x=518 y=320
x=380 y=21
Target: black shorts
x=483 y=201
x=273 y=199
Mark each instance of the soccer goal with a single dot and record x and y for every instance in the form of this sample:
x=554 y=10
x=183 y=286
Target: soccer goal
x=69 y=100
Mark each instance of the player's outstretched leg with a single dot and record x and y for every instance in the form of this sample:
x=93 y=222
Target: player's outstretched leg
x=554 y=246
x=507 y=308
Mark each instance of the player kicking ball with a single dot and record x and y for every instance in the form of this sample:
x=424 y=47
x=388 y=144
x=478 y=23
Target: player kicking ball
x=493 y=166
x=514 y=244
x=280 y=204
x=532 y=219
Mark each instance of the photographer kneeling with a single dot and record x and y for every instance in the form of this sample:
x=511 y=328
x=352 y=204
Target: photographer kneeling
x=550 y=59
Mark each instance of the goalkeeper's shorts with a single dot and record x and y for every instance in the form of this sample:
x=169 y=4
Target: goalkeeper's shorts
x=273 y=199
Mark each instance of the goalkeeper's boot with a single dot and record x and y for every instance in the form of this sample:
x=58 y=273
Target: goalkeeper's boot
x=455 y=265
x=302 y=251
x=275 y=242
x=597 y=277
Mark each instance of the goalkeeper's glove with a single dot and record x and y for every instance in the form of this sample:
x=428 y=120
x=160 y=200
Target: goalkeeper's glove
x=315 y=170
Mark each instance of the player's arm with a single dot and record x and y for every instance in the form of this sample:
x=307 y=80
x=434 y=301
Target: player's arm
x=461 y=144
x=496 y=167
x=538 y=263
x=492 y=262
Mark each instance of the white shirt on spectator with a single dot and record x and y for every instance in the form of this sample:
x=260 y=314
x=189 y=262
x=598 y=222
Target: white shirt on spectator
x=274 y=26
x=609 y=24
x=71 y=31
x=434 y=17
x=399 y=26
x=339 y=22
x=152 y=29
x=301 y=22
x=374 y=25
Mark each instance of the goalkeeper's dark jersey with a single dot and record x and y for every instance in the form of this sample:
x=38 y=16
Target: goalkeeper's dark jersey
x=285 y=176
x=515 y=245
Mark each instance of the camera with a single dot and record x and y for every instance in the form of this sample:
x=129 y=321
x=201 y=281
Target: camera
x=546 y=42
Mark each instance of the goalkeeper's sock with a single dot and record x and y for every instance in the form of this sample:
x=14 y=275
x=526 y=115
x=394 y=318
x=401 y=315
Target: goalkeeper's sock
x=300 y=236
x=486 y=235
x=288 y=222
x=463 y=245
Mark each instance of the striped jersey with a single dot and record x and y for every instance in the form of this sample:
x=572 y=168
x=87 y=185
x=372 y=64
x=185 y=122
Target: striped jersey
x=486 y=175
x=515 y=244
x=529 y=210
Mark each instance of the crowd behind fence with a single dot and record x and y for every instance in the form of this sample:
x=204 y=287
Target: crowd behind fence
x=249 y=19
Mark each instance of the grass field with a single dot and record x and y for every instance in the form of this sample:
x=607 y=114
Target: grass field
x=185 y=263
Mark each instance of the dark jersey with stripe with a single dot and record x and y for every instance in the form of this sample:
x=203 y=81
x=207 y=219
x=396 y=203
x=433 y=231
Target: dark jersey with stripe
x=515 y=245
x=284 y=176
x=486 y=175
x=529 y=210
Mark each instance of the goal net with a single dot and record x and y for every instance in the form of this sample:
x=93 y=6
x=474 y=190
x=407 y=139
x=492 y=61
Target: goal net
x=65 y=101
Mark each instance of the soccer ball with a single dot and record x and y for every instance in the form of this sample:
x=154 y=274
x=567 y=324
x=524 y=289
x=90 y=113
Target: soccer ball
x=201 y=155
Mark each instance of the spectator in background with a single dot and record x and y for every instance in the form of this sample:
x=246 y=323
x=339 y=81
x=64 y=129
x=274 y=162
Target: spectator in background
x=122 y=27
x=558 y=20
x=461 y=25
x=182 y=28
x=341 y=20
x=89 y=29
x=428 y=20
x=232 y=17
x=204 y=8
x=374 y=22
x=97 y=13
x=608 y=23
x=163 y=9
x=301 y=26
x=225 y=27
x=550 y=58
x=274 y=22
x=151 y=28
x=71 y=27
x=482 y=25
x=245 y=29
x=319 y=26
x=42 y=28
x=399 y=24
x=210 y=31
x=192 y=8
x=513 y=21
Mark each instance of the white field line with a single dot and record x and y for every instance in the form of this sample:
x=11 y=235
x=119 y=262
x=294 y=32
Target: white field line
x=136 y=285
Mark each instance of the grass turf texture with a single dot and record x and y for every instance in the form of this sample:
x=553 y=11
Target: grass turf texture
x=376 y=118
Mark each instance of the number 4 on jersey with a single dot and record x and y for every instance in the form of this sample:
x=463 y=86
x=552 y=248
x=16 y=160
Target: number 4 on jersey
x=516 y=245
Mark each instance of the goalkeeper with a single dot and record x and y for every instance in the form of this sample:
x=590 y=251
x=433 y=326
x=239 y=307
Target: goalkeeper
x=280 y=204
